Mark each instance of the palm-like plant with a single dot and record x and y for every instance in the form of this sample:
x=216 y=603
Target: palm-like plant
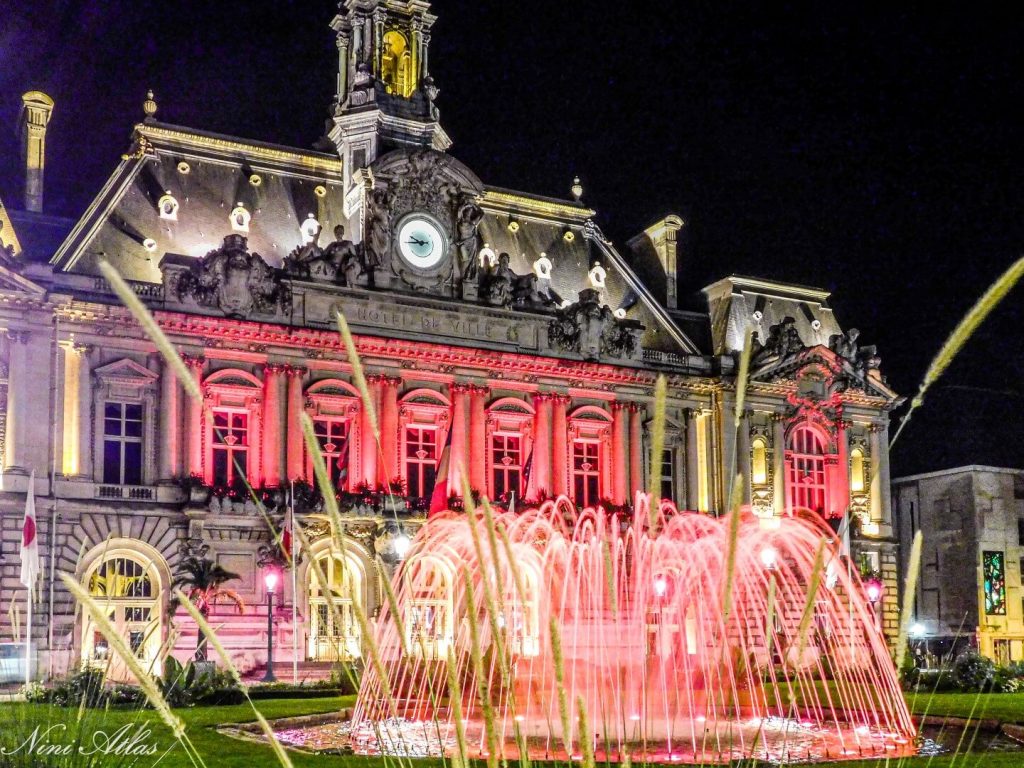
x=202 y=580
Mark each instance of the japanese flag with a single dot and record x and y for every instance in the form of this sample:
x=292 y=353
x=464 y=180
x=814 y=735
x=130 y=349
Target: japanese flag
x=30 y=538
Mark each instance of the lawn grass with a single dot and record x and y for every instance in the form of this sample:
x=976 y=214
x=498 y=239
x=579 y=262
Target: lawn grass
x=18 y=720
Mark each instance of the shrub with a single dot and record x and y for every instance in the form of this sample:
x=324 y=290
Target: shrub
x=973 y=672
x=34 y=693
x=84 y=686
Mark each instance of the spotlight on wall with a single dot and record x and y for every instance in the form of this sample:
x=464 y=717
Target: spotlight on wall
x=513 y=225
x=917 y=629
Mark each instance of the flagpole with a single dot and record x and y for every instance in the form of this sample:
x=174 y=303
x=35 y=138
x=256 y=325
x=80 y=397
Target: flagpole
x=295 y=593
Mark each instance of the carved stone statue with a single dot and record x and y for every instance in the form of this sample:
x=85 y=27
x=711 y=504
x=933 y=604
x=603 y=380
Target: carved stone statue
x=497 y=282
x=343 y=257
x=591 y=330
x=379 y=240
x=863 y=359
x=783 y=341
x=6 y=251
x=467 y=222
x=235 y=281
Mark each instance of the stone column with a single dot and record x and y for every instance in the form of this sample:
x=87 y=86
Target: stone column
x=881 y=511
x=779 y=463
x=619 y=454
x=424 y=51
x=273 y=428
x=367 y=439
x=457 y=459
x=692 y=462
x=17 y=399
x=295 y=465
x=342 y=43
x=389 y=428
x=541 y=473
x=742 y=458
x=478 y=439
x=168 y=450
x=378 y=40
x=559 y=445
x=636 y=455
x=194 y=421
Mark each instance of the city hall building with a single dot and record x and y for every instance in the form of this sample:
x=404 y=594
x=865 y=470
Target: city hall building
x=500 y=323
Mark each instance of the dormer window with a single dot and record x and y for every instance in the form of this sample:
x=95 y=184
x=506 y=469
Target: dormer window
x=240 y=218
x=542 y=267
x=168 y=207
x=597 y=276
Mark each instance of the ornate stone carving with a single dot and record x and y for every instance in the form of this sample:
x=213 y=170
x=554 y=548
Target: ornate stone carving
x=467 y=222
x=231 y=279
x=340 y=262
x=592 y=330
x=863 y=359
x=783 y=341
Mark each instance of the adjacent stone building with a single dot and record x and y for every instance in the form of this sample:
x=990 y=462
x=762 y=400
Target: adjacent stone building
x=500 y=323
x=969 y=589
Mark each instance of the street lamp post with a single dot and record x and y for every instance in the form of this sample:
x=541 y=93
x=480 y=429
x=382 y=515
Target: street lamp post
x=270 y=580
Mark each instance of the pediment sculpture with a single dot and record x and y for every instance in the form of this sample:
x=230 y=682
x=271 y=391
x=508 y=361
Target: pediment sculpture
x=231 y=279
x=864 y=359
x=592 y=330
x=783 y=342
x=501 y=287
x=340 y=262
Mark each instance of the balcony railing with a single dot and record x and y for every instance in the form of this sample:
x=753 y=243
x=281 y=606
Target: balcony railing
x=125 y=492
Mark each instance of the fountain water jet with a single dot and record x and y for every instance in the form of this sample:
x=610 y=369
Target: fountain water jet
x=643 y=638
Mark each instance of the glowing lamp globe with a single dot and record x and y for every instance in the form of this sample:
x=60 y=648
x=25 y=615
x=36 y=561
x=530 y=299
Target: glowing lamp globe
x=270 y=580
x=769 y=557
x=660 y=587
x=401 y=545
x=873 y=589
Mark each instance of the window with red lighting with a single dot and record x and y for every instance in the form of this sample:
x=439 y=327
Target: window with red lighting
x=332 y=435
x=586 y=472
x=507 y=464
x=806 y=486
x=420 y=460
x=230 y=446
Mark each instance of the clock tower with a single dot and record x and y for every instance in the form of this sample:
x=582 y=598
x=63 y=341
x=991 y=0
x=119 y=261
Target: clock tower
x=385 y=94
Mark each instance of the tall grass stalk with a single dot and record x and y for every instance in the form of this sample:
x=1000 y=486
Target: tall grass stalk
x=455 y=707
x=357 y=373
x=804 y=627
x=956 y=341
x=586 y=740
x=150 y=328
x=150 y=689
x=742 y=376
x=211 y=634
x=657 y=446
x=909 y=597
x=563 y=699
x=482 y=682
x=730 y=554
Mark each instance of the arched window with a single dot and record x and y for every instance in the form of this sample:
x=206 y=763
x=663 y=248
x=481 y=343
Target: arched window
x=857 y=481
x=589 y=455
x=509 y=446
x=521 y=618
x=805 y=457
x=759 y=462
x=235 y=401
x=428 y=607
x=396 y=64
x=423 y=421
x=334 y=631
x=334 y=407
x=129 y=590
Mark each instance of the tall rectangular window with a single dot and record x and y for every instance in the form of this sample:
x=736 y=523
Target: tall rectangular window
x=420 y=460
x=993 y=569
x=507 y=464
x=586 y=472
x=122 y=443
x=230 y=446
x=332 y=435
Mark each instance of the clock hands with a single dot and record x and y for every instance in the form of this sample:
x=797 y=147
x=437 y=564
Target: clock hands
x=415 y=241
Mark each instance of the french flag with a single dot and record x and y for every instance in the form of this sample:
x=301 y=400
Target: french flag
x=30 y=539
x=439 y=496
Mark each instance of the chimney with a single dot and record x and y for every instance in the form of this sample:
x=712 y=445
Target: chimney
x=35 y=115
x=655 y=249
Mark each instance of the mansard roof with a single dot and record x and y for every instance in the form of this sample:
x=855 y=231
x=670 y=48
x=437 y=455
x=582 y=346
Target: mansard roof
x=205 y=176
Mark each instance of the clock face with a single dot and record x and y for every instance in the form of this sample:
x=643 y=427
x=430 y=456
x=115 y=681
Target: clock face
x=421 y=242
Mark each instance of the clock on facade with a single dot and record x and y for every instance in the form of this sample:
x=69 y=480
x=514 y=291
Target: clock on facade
x=421 y=241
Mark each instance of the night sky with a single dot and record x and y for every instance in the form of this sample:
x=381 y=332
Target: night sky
x=873 y=151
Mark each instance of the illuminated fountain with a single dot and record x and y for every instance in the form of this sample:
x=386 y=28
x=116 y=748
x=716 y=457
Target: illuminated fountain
x=667 y=665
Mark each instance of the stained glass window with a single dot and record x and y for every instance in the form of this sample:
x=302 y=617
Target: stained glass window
x=994 y=574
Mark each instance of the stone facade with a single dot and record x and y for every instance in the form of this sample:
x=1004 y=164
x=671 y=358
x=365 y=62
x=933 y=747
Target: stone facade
x=972 y=520
x=501 y=324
